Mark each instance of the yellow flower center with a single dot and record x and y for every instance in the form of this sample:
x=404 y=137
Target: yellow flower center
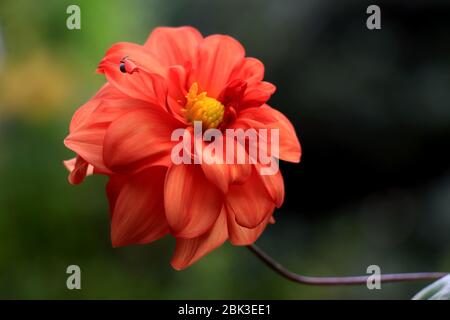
x=200 y=107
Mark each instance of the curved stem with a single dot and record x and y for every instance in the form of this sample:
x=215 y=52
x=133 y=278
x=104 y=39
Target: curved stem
x=338 y=281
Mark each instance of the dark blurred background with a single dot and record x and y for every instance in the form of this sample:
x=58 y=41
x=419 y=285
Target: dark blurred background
x=371 y=108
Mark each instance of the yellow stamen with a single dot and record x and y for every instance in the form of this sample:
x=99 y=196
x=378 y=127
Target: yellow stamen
x=200 y=107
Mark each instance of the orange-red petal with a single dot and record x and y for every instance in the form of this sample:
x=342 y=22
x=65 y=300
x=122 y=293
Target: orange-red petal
x=139 y=139
x=257 y=94
x=79 y=169
x=87 y=142
x=82 y=115
x=251 y=71
x=136 y=53
x=176 y=98
x=146 y=83
x=192 y=202
x=174 y=46
x=113 y=188
x=188 y=251
x=241 y=236
x=221 y=173
x=138 y=215
x=218 y=56
x=274 y=185
x=266 y=117
x=140 y=85
x=250 y=202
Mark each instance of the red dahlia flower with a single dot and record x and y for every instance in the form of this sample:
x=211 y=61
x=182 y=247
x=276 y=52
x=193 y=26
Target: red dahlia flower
x=176 y=78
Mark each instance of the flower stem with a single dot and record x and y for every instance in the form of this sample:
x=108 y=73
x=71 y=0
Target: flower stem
x=339 y=281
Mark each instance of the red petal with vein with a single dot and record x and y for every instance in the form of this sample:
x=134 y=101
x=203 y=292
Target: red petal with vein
x=241 y=236
x=81 y=116
x=251 y=71
x=138 y=215
x=91 y=124
x=112 y=109
x=266 y=117
x=176 y=99
x=146 y=83
x=84 y=114
x=140 y=84
x=108 y=92
x=79 y=169
x=274 y=185
x=219 y=172
x=250 y=202
x=233 y=93
x=257 y=94
x=87 y=142
x=188 y=251
x=218 y=56
x=139 y=139
x=140 y=55
x=174 y=46
x=113 y=188
x=192 y=202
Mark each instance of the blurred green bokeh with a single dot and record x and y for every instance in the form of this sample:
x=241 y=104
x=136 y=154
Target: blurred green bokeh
x=47 y=71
